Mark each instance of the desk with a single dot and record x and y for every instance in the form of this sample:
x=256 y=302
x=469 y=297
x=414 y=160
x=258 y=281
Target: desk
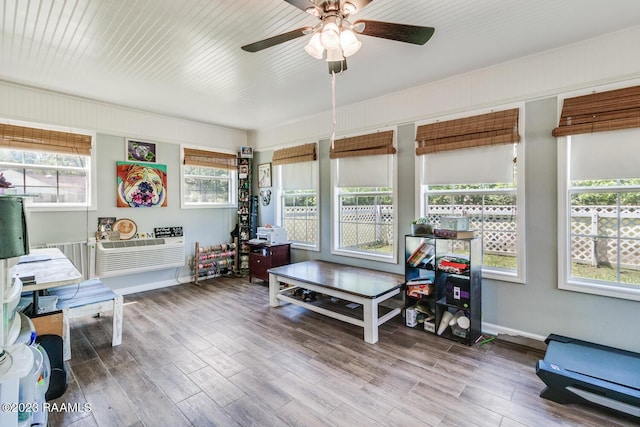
x=359 y=285
x=50 y=267
x=51 y=273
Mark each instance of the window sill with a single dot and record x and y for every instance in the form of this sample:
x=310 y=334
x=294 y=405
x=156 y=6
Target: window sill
x=304 y=247
x=602 y=289
x=362 y=255
x=209 y=206
x=59 y=208
x=503 y=276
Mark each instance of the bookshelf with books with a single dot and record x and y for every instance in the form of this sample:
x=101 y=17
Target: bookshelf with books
x=443 y=286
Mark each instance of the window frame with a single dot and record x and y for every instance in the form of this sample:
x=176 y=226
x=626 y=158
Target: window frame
x=335 y=206
x=518 y=276
x=279 y=211
x=233 y=184
x=565 y=280
x=91 y=203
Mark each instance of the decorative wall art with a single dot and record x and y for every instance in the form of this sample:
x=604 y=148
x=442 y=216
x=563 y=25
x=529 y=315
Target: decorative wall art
x=140 y=151
x=264 y=175
x=141 y=185
x=246 y=152
x=265 y=196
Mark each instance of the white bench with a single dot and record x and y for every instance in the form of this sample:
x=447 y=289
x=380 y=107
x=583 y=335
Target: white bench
x=89 y=298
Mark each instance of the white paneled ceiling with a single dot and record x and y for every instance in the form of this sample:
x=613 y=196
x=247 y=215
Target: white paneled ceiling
x=183 y=58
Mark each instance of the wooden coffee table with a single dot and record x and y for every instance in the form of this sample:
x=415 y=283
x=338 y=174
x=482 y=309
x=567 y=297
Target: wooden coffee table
x=359 y=285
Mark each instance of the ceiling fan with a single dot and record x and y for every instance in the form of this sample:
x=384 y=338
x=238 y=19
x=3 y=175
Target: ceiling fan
x=336 y=35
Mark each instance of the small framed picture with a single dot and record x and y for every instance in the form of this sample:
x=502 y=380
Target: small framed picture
x=243 y=171
x=140 y=151
x=246 y=152
x=264 y=175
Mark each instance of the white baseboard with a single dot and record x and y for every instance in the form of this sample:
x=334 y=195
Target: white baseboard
x=153 y=285
x=492 y=329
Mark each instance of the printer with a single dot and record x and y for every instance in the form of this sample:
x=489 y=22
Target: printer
x=271 y=235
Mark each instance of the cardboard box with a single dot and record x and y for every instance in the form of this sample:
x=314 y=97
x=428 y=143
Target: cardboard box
x=430 y=327
x=411 y=317
x=48 y=324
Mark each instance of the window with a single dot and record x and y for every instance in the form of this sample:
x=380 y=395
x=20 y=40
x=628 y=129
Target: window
x=297 y=192
x=52 y=165
x=599 y=193
x=365 y=220
x=364 y=177
x=481 y=178
x=209 y=179
x=601 y=215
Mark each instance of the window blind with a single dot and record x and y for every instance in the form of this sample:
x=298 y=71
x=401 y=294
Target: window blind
x=500 y=127
x=373 y=144
x=298 y=154
x=212 y=159
x=487 y=165
x=600 y=112
x=299 y=176
x=606 y=155
x=26 y=138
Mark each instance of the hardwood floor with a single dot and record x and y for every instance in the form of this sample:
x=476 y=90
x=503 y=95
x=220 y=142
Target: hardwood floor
x=217 y=354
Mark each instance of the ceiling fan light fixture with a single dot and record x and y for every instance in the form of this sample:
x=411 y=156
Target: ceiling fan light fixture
x=312 y=11
x=349 y=8
x=330 y=36
x=349 y=43
x=314 y=47
x=334 y=55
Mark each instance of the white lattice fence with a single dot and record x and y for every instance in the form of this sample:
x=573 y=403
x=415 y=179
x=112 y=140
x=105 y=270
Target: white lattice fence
x=300 y=223
x=589 y=224
x=594 y=235
x=499 y=231
x=366 y=225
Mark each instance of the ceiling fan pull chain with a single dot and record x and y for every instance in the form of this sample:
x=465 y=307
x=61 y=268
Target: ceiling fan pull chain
x=333 y=106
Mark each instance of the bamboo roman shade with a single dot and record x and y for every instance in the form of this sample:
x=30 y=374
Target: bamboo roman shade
x=363 y=145
x=212 y=159
x=599 y=112
x=298 y=154
x=26 y=138
x=500 y=127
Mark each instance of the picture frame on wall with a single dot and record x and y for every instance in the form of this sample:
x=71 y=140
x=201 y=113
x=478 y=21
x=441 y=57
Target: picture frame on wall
x=140 y=151
x=141 y=185
x=264 y=175
x=246 y=152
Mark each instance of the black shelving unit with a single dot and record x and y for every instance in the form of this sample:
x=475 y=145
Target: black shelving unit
x=443 y=289
x=247 y=215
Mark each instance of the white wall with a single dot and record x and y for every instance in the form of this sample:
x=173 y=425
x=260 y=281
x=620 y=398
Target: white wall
x=113 y=124
x=40 y=106
x=537 y=307
x=610 y=58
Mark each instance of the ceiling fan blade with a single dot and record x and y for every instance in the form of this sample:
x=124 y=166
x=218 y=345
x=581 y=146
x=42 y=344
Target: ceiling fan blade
x=272 y=41
x=337 y=66
x=399 y=32
x=303 y=5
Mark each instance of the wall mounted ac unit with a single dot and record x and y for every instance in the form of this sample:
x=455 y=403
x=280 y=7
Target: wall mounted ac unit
x=115 y=258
